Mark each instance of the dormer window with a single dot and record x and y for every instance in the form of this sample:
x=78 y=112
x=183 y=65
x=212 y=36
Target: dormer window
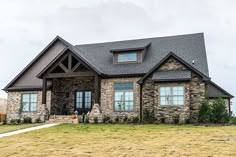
x=127 y=57
x=130 y=54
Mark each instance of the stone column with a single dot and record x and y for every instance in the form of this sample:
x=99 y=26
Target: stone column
x=44 y=99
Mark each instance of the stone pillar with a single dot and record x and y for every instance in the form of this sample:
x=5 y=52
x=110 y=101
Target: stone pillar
x=44 y=100
x=95 y=113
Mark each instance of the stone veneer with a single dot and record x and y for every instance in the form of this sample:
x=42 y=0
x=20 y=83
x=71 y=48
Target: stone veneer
x=194 y=95
x=14 y=106
x=107 y=98
x=64 y=90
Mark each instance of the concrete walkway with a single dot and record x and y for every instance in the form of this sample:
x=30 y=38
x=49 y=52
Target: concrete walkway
x=27 y=130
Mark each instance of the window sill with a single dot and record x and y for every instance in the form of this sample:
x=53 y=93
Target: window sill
x=171 y=105
x=28 y=111
x=123 y=111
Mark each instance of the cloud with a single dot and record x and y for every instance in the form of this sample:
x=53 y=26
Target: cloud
x=28 y=26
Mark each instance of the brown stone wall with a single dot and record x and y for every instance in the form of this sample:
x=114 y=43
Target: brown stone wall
x=194 y=95
x=151 y=102
x=64 y=90
x=197 y=96
x=171 y=64
x=14 y=106
x=107 y=97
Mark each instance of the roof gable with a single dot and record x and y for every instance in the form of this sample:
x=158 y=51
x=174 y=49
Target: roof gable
x=44 y=51
x=171 y=54
x=68 y=50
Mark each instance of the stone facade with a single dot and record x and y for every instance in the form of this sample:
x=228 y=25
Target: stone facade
x=64 y=90
x=14 y=106
x=107 y=98
x=194 y=95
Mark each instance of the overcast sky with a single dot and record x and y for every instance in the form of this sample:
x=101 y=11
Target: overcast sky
x=27 y=26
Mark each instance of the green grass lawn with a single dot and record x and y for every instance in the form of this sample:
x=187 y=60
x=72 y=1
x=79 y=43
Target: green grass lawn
x=122 y=140
x=8 y=128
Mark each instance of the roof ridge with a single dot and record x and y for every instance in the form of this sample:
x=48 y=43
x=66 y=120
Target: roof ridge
x=139 y=39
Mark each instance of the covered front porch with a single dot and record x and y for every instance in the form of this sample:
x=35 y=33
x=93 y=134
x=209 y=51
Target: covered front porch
x=73 y=84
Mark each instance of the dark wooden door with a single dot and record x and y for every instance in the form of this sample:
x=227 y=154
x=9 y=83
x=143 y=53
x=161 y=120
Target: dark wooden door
x=83 y=101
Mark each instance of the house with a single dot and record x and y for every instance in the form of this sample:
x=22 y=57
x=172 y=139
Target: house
x=3 y=104
x=167 y=76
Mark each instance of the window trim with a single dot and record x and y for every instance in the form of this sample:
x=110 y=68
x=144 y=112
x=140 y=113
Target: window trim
x=171 y=86
x=114 y=91
x=21 y=109
x=127 y=61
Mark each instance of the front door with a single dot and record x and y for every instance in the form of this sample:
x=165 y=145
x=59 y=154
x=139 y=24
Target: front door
x=83 y=101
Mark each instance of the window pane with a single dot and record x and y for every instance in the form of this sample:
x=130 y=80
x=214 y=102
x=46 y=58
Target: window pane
x=87 y=104
x=25 y=107
x=175 y=100
x=172 y=95
x=79 y=104
x=79 y=94
x=87 y=94
x=129 y=96
x=119 y=96
x=118 y=106
x=124 y=86
x=126 y=57
x=129 y=106
x=33 y=97
x=33 y=107
x=25 y=98
x=29 y=102
x=124 y=96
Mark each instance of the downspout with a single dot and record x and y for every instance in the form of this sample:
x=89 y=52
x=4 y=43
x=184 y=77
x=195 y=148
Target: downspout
x=140 y=102
x=230 y=113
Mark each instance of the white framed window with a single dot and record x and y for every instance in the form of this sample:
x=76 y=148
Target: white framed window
x=29 y=102
x=127 y=57
x=123 y=97
x=172 y=95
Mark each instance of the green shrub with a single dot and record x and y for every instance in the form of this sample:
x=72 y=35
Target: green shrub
x=148 y=117
x=187 y=121
x=135 y=119
x=38 y=120
x=205 y=113
x=215 y=113
x=176 y=119
x=232 y=120
x=15 y=121
x=27 y=120
x=125 y=119
x=218 y=111
x=117 y=119
x=86 y=119
x=95 y=119
x=162 y=120
x=106 y=119
x=4 y=122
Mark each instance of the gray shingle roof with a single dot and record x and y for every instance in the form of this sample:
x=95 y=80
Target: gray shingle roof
x=188 y=47
x=171 y=75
